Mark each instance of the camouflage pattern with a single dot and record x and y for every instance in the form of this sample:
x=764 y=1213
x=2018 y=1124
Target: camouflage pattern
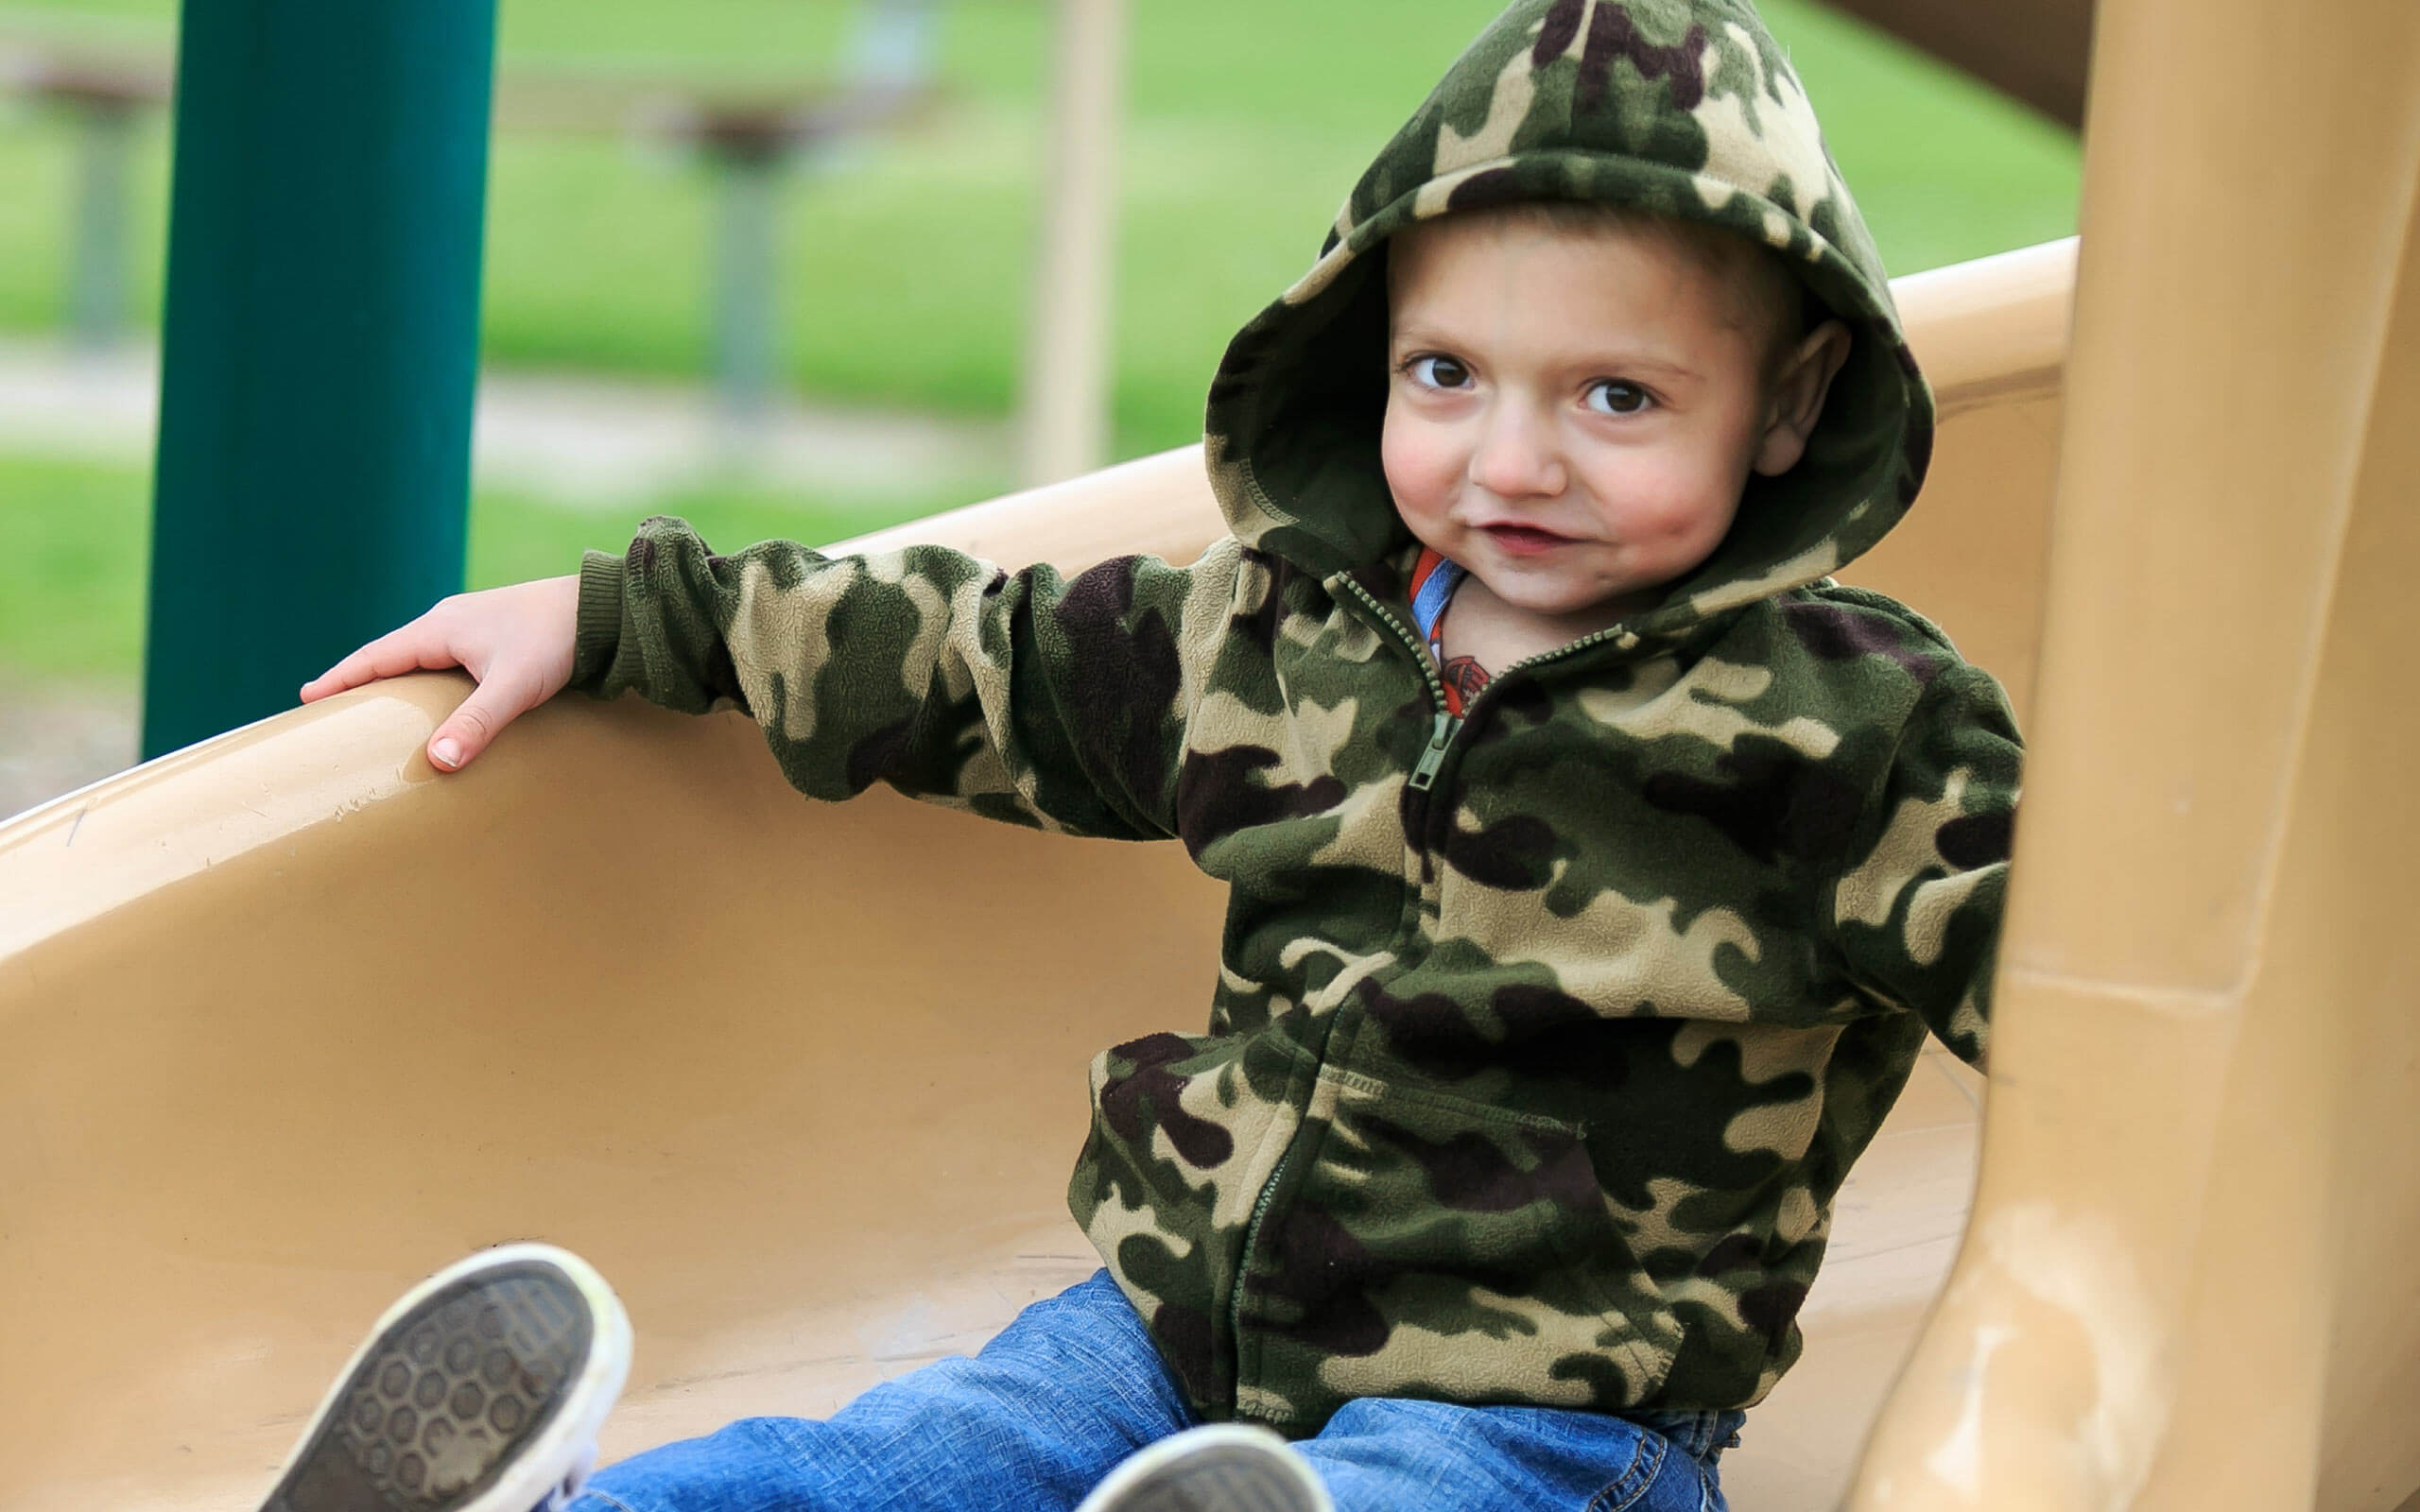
x=1543 y=1038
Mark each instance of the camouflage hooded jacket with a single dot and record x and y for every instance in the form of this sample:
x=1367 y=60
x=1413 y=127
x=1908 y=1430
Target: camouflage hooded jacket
x=1541 y=1038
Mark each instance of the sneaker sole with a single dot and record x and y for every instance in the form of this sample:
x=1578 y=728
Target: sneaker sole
x=1225 y=1468
x=479 y=1391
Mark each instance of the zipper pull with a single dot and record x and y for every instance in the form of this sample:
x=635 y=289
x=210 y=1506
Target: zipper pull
x=1434 y=757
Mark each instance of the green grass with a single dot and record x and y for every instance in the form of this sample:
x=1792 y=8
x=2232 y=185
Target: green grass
x=514 y=538
x=907 y=263
x=72 y=582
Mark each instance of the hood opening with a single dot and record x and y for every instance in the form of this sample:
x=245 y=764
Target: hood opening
x=1712 y=130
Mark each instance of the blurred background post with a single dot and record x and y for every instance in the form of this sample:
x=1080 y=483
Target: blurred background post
x=1066 y=371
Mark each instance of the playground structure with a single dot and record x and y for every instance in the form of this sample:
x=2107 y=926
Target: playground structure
x=2036 y=52
x=287 y=1019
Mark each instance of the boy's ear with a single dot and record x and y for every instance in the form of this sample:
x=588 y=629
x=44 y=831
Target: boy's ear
x=1794 y=399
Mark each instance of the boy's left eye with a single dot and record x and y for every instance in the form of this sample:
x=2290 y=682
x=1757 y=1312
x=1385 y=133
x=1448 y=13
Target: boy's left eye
x=1612 y=396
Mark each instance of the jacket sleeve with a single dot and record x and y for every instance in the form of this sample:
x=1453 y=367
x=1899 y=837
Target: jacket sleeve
x=1023 y=697
x=1918 y=913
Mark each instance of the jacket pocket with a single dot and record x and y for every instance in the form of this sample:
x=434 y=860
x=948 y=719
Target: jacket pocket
x=1419 y=1243
x=1185 y=1132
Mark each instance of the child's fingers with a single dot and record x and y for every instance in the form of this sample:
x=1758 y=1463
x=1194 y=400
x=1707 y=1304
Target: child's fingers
x=413 y=648
x=492 y=705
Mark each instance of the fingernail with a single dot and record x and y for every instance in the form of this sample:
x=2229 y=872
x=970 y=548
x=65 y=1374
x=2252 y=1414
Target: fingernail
x=446 y=753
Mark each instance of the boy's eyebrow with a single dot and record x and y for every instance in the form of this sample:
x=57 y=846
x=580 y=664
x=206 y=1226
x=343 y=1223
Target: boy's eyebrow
x=1609 y=359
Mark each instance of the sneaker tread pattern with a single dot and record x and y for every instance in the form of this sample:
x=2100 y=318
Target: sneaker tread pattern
x=445 y=1397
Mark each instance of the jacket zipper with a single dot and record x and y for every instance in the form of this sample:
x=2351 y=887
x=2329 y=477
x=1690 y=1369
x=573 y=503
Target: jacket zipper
x=1428 y=667
x=1433 y=758
x=1424 y=774
x=1243 y=1261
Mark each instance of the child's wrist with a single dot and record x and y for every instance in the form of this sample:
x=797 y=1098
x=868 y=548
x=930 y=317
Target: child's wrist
x=596 y=620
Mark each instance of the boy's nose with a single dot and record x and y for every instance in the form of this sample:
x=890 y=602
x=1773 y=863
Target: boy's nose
x=1516 y=456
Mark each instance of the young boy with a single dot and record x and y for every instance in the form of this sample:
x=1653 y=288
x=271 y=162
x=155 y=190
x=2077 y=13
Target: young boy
x=1598 y=864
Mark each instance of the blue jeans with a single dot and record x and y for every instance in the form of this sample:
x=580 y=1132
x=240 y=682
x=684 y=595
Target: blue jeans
x=1072 y=1387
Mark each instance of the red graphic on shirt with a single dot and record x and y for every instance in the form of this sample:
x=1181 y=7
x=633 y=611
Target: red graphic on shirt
x=1463 y=677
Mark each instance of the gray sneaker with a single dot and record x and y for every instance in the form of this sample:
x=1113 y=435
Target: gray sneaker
x=1224 y=1468
x=481 y=1391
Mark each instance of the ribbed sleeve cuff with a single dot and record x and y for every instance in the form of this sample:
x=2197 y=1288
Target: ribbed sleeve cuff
x=599 y=628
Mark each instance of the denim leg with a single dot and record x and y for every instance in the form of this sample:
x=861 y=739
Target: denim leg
x=1384 y=1453
x=1030 y=1423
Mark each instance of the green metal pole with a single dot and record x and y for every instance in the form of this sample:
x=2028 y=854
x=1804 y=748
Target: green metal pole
x=319 y=345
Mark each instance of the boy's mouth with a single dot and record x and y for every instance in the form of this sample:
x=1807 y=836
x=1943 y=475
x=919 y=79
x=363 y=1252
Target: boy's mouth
x=1523 y=541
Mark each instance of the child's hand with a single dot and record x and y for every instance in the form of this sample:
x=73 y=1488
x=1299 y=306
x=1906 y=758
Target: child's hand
x=517 y=640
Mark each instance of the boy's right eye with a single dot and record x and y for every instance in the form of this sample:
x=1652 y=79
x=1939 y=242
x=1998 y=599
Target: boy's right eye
x=1434 y=371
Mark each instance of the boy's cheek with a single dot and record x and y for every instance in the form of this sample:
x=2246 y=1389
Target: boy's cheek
x=1689 y=534
x=1420 y=464
x=1674 y=503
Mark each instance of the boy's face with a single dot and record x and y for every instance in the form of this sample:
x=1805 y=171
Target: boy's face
x=1573 y=411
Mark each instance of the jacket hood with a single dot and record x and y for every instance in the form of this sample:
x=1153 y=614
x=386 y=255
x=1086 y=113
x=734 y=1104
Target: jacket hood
x=1682 y=107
